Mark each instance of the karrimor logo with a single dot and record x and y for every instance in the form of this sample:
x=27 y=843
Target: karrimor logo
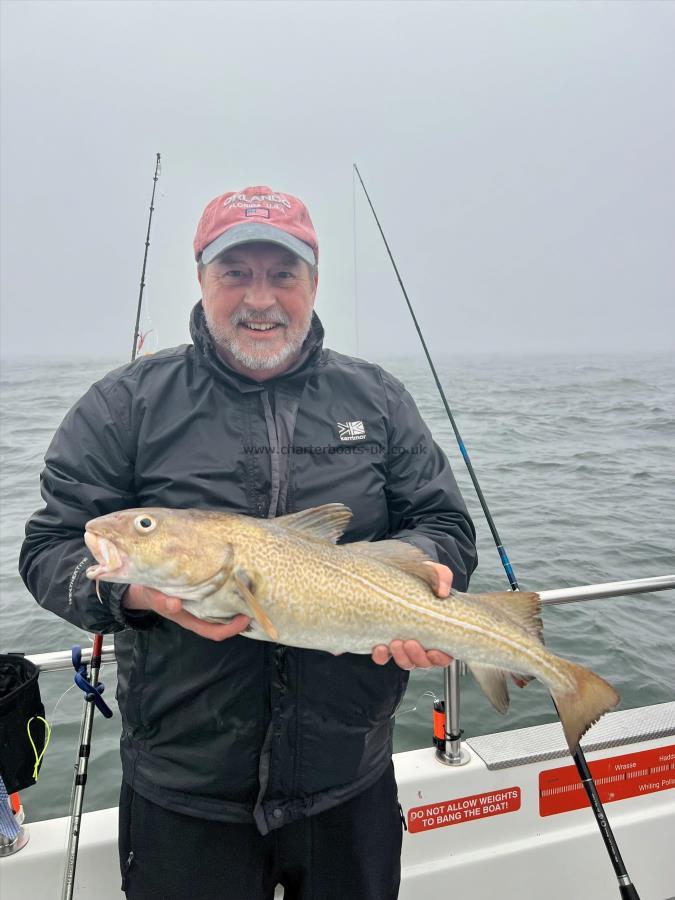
x=351 y=431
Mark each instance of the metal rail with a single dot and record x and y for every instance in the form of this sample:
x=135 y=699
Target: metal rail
x=61 y=659
x=610 y=589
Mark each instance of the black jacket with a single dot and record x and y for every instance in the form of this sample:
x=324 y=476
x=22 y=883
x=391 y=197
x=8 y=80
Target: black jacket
x=243 y=728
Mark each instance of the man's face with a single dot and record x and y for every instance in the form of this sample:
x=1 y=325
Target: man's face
x=258 y=300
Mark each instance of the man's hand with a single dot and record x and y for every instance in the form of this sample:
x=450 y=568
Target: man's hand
x=411 y=654
x=137 y=596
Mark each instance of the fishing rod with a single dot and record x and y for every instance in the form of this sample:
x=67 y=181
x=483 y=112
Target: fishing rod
x=92 y=697
x=626 y=887
x=135 y=348
x=462 y=449
x=91 y=686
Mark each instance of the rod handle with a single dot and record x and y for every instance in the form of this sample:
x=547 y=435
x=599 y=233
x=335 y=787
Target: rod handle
x=628 y=892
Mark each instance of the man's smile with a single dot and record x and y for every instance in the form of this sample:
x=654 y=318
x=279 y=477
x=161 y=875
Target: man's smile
x=261 y=327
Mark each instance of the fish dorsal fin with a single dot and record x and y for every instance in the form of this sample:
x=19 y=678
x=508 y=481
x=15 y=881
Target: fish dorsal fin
x=399 y=554
x=522 y=607
x=326 y=522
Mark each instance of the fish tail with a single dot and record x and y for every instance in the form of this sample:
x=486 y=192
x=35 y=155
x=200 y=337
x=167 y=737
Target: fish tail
x=581 y=706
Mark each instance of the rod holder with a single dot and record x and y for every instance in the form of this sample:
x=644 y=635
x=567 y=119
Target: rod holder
x=13 y=836
x=453 y=754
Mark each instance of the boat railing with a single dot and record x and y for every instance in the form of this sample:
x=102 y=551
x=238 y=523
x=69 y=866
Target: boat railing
x=453 y=754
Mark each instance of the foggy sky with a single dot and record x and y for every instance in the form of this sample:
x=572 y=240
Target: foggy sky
x=520 y=156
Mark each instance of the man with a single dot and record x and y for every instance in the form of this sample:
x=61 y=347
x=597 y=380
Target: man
x=248 y=764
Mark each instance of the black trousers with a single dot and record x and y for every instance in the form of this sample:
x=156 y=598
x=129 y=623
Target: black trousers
x=351 y=852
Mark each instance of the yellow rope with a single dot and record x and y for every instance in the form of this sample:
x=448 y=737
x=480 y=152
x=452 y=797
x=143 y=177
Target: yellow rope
x=38 y=759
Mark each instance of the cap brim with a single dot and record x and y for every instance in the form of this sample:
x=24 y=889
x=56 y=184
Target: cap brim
x=248 y=232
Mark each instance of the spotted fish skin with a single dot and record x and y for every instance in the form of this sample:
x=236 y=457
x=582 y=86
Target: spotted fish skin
x=303 y=590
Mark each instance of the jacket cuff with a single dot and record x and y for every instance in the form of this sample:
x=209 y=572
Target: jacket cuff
x=139 y=619
x=422 y=542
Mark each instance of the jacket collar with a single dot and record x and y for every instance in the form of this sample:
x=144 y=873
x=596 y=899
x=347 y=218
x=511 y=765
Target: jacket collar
x=206 y=350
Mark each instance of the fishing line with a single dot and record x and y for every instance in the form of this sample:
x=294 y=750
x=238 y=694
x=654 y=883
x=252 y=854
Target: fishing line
x=410 y=709
x=56 y=705
x=354 y=262
x=626 y=887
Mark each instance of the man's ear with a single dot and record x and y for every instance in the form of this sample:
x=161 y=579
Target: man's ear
x=199 y=277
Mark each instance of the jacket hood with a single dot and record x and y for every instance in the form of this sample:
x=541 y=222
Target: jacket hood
x=206 y=349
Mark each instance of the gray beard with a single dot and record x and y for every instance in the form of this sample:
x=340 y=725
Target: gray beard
x=224 y=340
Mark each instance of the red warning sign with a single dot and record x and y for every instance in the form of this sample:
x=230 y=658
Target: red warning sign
x=463 y=809
x=616 y=778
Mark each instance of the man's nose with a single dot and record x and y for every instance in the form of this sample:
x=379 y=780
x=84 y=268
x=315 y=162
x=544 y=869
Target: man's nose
x=259 y=294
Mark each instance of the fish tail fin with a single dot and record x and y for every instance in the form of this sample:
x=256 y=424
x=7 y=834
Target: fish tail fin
x=581 y=706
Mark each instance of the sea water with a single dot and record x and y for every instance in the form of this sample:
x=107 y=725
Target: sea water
x=576 y=457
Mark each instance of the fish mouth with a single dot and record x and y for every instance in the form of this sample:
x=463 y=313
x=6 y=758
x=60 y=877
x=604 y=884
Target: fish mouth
x=106 y=554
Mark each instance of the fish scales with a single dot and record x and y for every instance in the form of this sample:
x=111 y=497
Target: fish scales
x=372 y=597
x=302 y=589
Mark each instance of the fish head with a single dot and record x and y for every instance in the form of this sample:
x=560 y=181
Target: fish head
x=171 y=550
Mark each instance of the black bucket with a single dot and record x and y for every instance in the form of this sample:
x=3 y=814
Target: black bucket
x=19 y=703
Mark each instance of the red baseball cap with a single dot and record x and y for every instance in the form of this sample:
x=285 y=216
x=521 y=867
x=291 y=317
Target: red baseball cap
x=256 y=214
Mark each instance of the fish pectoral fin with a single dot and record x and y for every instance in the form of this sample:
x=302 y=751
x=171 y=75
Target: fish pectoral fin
x=259 y=615
x=493 y=684
x=399 y=554
x=326 y=522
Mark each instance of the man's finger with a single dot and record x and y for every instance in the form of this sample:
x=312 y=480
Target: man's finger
x=213 y=631
x=381 y=654
x=434 y=575
x=237 y=625
x=401 y=658
x=444 y=581
x=442 y=578
x=417 y=654
x=438 y=658
x=446 y=584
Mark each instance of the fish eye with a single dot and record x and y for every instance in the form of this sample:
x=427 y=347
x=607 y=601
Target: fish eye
x=145 y=524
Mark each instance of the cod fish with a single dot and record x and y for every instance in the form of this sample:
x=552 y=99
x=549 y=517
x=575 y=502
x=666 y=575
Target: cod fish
x=301 y=589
